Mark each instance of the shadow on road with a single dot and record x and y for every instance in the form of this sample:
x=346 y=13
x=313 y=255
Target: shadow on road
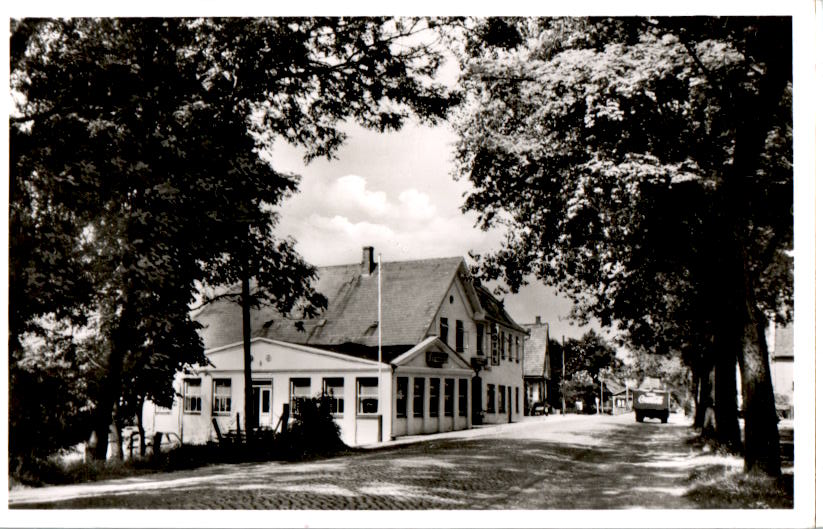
x=628 y=465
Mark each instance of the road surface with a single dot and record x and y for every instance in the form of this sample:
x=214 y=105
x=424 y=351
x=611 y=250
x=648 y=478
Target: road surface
x=554 y=462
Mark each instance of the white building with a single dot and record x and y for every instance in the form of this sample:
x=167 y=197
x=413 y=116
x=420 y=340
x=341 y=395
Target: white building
x=536 y=364
x=780 y=343
x=449 y=351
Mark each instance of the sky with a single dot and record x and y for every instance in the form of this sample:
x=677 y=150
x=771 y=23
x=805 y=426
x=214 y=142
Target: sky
x=395 y=191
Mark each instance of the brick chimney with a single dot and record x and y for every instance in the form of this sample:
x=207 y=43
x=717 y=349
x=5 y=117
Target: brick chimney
x=367 y=263
x=537 y=320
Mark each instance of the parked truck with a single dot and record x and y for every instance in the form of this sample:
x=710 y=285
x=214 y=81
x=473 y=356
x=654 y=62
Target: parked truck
x=651 y=403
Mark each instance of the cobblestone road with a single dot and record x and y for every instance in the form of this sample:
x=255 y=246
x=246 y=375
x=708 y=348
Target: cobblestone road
x=571 y=462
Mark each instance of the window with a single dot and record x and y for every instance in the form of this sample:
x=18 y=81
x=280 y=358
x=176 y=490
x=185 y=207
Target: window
x=509 y=346
x=463 y=397
x=458 y=336
x=490 y=398
x=417 y=398
x=434 y=397
x=502 y=347
x=501 y=399
x=495 y=347
x=334 y=388
x=367 y=398
x=221 y=389
x=517 y=349
x=448 y=397
x=516 y=400
x=480 y=339
x=299 y=390
x=402 y=398
x=192 y=401
x=444 y=330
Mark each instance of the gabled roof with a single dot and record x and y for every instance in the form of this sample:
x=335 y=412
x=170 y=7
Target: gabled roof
x=495 y=311
x=536 y=350
x=431 y=343
x=411 y=291
x=614 y=386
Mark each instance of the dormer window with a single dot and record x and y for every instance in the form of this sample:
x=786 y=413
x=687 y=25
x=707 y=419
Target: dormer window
x=444 y=330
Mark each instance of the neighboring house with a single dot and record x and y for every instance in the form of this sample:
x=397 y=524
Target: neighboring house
x=499 y=354
x=443 y=342
x=536 y=364
x=780 y=342
x=618 y=396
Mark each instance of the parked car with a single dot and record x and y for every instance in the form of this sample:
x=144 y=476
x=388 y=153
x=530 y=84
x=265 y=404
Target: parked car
x=541 y=408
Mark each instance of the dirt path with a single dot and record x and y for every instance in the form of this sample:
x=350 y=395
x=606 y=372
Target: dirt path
x=571 y=462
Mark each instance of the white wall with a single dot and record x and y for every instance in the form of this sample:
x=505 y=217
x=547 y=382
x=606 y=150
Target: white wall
x=278 y=364
x=455 y=306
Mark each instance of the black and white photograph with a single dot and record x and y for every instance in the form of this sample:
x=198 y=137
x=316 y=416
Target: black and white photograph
x=440 y=269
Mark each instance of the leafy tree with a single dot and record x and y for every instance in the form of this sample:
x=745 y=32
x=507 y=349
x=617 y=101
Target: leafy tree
x=586 y=359
x=137 y=175
x=643 y=167
x=591 y=353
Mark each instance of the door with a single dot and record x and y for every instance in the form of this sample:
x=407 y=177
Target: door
x=261 y=398
x=477 y=400
x=509 y=402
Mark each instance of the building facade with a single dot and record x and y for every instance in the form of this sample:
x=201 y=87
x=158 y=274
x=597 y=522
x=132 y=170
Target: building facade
x=449 y=357
x=780 y=342
x=536 y=364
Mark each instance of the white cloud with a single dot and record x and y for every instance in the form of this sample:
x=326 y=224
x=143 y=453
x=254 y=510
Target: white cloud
x=417 y=204
x=350 y=192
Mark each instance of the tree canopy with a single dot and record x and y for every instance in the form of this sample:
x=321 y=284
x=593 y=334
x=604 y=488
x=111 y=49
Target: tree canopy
x=137 y=176
x=643 y=167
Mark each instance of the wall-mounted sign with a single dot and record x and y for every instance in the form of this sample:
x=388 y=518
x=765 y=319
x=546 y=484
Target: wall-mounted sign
x=436 y=358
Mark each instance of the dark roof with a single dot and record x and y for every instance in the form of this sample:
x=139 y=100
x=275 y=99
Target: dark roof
x=784 y=341
x=495 y=311
x=536 y=350
x=614 y=386
x=412 y=292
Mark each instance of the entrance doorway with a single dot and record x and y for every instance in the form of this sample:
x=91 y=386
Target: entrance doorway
x=477 y=400
x=261 y=390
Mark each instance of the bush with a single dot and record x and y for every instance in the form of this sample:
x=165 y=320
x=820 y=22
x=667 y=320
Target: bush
x=47 y=414
x=313 y=432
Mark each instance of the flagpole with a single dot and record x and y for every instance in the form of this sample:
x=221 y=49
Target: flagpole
x=379 y=343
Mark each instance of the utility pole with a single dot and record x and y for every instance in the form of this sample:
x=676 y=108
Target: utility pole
x=563 y=375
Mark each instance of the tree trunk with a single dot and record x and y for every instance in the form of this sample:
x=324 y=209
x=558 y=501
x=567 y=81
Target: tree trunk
x=725 y=398
x=761 y=449
x=108 y=394
x=117 y=449
x=248 y=393
x=141 y=432
x=700 y=394
x=98 y=443
x=117 y=431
